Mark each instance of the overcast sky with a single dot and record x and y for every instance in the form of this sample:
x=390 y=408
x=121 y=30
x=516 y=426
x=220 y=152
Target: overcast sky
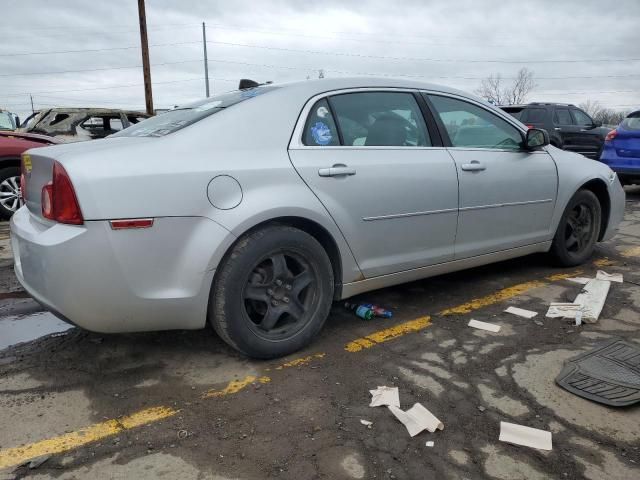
x=578 y=50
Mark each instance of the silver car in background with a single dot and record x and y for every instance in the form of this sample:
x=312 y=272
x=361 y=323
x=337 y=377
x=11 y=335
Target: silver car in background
x=255 y=209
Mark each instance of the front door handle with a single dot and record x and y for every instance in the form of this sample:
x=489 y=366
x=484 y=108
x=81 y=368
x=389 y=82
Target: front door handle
x=474 y=166
x=338 y=170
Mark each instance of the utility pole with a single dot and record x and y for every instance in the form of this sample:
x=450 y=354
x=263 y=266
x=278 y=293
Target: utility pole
x=146 y=69
x=206 y=64
x=31 y=97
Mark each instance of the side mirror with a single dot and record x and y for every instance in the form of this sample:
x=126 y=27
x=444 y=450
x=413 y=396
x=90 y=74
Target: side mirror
x=536 y=138
x=597 y=124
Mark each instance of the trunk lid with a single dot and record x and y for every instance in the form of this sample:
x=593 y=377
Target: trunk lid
x=627 y=142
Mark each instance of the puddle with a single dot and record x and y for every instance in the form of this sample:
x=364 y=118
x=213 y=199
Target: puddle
x=14 y=329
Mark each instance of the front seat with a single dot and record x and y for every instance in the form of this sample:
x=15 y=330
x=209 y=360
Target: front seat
x=387 y=131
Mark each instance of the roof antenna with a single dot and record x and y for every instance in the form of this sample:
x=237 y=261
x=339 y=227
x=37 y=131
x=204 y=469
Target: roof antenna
x=247 y=83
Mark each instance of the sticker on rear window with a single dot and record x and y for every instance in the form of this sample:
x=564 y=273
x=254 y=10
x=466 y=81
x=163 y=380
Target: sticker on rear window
x=208 y=106
x=321 y=133
x=322 y=112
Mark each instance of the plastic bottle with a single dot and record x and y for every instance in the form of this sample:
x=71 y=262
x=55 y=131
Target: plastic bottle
x=360 y=310
x=378 y=311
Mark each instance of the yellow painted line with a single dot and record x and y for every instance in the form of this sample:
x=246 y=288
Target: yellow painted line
x=631 y=252
x=234 y=386
x=604 y=262
x=492 y=298
x=15 y=456
x=505 y=294
x=388 y=334
x=299 y=362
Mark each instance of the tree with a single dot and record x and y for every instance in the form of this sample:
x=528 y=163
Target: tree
x=494 y=91
x=321 y=73
x=606 y=116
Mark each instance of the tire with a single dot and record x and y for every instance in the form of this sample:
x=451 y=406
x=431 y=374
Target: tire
x=578 y=230
x=272 y=292
x=9 y=191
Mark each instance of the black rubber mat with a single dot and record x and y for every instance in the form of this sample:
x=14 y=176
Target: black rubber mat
x=608 y=374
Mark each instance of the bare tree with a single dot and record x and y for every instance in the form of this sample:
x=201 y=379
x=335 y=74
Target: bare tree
x=495 y=91
x=592 y=107
x=606 y=116
x=321 y=73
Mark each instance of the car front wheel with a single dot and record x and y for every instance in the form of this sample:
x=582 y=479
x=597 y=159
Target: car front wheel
x=272 y=292
x=578 y=230
x=9 y=191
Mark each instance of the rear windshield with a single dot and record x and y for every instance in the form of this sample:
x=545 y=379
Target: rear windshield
x=535 y=115
x=632 y=122
x=515 y=112
x=180 y=117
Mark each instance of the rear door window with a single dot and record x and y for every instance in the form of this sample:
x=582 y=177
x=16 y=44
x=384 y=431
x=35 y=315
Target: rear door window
x=320 y=129
x=562 y=117
x=373 y=119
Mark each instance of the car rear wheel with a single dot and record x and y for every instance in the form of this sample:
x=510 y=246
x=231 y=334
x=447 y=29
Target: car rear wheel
x=9 y=191
x=578 y=230
x=272 y=292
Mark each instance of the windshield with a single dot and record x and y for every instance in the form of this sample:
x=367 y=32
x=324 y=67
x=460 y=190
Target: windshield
x=6 y=121
x=183 y=116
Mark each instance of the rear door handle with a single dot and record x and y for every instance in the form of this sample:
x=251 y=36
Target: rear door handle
x=474 y=166
x=336 y=171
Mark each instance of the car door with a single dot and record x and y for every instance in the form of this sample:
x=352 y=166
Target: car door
x=588 y=138
x=566 y=129
x=382 y=175
x=507 y=194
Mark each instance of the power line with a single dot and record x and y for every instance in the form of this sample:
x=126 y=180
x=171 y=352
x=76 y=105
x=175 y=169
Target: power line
x=377 y=37
x=93 y=50
x=92 y=69
x=323 y=52
x=130 y=85
x=422 y=59
x=307 y=69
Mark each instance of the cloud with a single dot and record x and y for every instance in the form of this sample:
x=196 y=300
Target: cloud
x=454 y=42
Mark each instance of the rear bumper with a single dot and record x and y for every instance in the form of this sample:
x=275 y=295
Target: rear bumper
x=120 y=281
x=623 y=166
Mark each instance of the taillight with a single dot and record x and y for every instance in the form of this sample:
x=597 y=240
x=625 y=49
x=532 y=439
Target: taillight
x=611 y=135
x=529 y=127
x=59 y=200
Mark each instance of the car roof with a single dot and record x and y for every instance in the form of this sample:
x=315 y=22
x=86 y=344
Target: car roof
x=318 y=86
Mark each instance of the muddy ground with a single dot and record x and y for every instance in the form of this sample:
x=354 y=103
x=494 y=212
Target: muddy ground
x=303 y=421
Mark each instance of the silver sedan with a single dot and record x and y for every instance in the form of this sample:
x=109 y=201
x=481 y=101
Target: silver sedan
x=256 y=209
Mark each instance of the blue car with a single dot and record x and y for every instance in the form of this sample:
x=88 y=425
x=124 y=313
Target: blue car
x=622 y=149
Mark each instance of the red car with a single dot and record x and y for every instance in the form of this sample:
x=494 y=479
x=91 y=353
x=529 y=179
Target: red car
x=12 y=145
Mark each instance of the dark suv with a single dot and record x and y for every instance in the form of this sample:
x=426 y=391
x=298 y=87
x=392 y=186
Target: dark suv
x=569 y=127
